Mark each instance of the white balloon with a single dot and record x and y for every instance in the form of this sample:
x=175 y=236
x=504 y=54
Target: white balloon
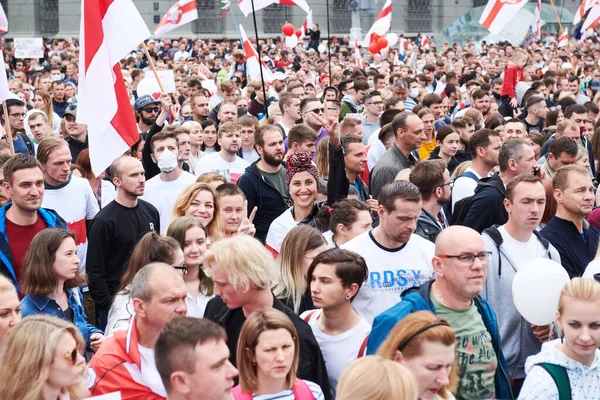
x=536 y=289
x=322 y=48
x=291 y=41
x=392 y=39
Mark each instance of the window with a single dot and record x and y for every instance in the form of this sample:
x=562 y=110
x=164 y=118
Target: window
x=48 y=17
x=419 y=16
x=274 y=17
x=208 y=17
x=341 y=16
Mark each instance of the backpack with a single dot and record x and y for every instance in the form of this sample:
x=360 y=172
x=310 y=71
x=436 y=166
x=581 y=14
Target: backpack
x=363 y=346
x=300 y=390
x=27 y=143
x=561 y=379
x=462 y=207
x=448 y=206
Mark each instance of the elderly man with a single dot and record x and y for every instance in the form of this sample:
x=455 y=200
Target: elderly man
x=460 y=263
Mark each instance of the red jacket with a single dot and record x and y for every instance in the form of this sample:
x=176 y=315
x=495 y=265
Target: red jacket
x=117 y=367
x=512 y=75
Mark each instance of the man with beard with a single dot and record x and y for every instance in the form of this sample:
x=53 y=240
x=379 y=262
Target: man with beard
x=263 y=183
x=59 y=103
x=78 y=138
x=433 y=180
x=114 y=232
x=146 y=111
x=200 y=108
x=226 y=162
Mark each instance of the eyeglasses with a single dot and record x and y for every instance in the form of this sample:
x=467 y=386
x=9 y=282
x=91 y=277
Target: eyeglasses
x=449 y=184
x=317 y=110
x=71 y=356
x=377 y=103
x=17 y=115
x=151 y=109
x=469 y=258
x=182 y=268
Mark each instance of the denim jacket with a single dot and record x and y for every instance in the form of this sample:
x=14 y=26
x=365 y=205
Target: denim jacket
x=34 y=305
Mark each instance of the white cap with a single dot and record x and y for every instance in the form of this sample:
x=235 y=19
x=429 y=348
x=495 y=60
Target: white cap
x=279 y=76
x=566 y=66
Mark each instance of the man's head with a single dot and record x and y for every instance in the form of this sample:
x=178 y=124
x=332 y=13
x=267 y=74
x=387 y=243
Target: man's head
x=128 y=176
x=55 y=157
x=433 y=102
x=165 y=150
x=573 y=192
x=408 y=130
x=433 y=180
x=240 y=266
x=481 y=101
x=200 y=107
x=312 y=108
x=516 y=157
x=562 y=152
x=460 y=262
x=58 y=90
x=355 y=156
x=248 y=126
x=485 y=145
x=24 y=182
x=525 y=202
x=361 y=86
x=429 y=72
x=289 y=104
x=302 y=139
x=230 y=137
x=74 y=128
x=16 y=115
x=536 y=106
x=399 y=208
x=158 y=295
x=192 y=359
x=568 y=128
x=38 y=125
x=515 y=129
x=351 y=126
x=373 y=103
x=147 y=109
x=574 y=84
x=268 y=140
x=228 y=113
x=465 y=128
x=228 y=91
x=297 y=88
x=578 y=114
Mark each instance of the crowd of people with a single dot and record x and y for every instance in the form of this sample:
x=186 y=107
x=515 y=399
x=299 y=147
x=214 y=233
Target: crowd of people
x=337 y=233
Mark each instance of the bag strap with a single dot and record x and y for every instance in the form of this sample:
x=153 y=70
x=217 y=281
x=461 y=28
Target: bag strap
x=469 y=174
x=363 y=346
x=237 y=394
x=561 y=379
x=309 y=315
x=301 y=391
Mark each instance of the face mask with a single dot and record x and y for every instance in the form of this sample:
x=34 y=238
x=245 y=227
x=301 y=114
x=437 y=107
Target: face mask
x=414 y=93
x=188 y=118
x=478 y=127
x=167 y=161
x=57 y=77
x=370 y=83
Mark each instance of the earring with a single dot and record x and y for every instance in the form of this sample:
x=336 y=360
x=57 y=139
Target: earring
x=347 y=297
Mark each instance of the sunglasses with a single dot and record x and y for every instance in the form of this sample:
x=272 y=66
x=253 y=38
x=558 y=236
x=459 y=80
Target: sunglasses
x=72 y=356
x=317 y=110
x=150 y=109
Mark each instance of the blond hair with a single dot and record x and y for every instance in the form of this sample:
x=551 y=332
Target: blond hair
x=258 y=322
x=584 y=289
x=28 y=354
x=462 y=167
x=403 y=175
x=186 y=198
x=48 y=145
x=6 y=285
x=394 y=381
x=246 y=261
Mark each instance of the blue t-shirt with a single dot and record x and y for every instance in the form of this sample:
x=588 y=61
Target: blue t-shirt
x=20 y=146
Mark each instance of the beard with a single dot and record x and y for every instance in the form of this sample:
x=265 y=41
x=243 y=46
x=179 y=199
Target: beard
x=148 y=121
x=272 y=159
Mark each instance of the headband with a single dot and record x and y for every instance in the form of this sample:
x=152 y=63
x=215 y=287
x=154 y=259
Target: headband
x=403 y=344
x=300 y=162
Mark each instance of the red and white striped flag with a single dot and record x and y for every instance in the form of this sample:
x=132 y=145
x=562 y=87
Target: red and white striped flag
x=580 y=13
x=537 y=20
x=246 y=5
x=110 y=29
x=591 y=22
x=382 y=24
x=357 y=58
x=403 y=44
x=498 y=13
x=425 y=42
x=3 y=21
x=307 y=24
x=180 y=13
x=563 y=39
x=253 y=63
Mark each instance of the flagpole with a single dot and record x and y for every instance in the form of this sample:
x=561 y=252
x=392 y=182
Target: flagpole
x=153 y=68
x=260 y=65
x=7 y=128
x=562 y=30
x=328 y=42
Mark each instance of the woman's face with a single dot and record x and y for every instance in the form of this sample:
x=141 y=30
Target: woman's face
x=186 y=111
x=10 y=313
x=210 y=136
x=194 y=246
x=231 y=213
x=196 y=137
x=449 y=146
x=38 y=102
x=202 y=207
x=68 y=365
x=580 y=323
x=69 y=91
x=432 y=368
x=362 y=224
x=309 y=256
x=560 y=118
x=303 y=189
x=584 y=161
x=66 y=262
x=274 y=354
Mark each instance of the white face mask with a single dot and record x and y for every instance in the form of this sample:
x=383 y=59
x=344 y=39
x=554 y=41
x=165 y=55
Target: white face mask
x=414 y=93
x=167 y=161
x=57 y=77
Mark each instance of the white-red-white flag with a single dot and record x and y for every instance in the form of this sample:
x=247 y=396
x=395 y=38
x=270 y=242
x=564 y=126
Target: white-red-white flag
x=537 y=20
x=253 y=63
x=498 y=13
x=179 y=14
x=110 y=29
x=4 y=92
x=246 y=5
x=425 y=44
x=591 y=22
x=307 y=24
x=3 y=21
x=382 y=24
x=357 y=58
x=580 y=13
x=563 y=39
x=402 y=44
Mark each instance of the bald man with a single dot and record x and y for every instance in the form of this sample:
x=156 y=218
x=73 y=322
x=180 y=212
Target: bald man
x=460 y=263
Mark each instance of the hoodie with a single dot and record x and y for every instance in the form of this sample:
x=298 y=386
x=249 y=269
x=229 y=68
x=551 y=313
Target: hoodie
x=487 y=205
x=539 y=385
x=349 y=106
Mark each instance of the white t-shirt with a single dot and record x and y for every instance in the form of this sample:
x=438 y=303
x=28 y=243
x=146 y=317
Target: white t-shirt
x=376 y=151
x=339 y=350
x=391 y=271
x=250 y=156
x=75 y=203
x=230 y=170
x=521 y=252
x=278 y=230
x=150 y=376
x=464 y=187
x=196 y=307
x=163 y=195
x=289 y=395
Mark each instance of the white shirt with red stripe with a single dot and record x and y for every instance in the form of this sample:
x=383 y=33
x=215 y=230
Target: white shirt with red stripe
x=278 y=230
x=339 y=350
x=230 y=170
x=75 y=202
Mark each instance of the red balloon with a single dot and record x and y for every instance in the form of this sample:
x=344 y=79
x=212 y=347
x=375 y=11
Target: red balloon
x=382 y=43
x=287 y=29
x=373 y=48
x=298 y=32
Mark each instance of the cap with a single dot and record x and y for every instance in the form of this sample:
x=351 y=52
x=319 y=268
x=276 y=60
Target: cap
x=595 y=84
x=279 y=76
x=324 y=76
x=71 y=110
x=143 y=101
x=566 y=66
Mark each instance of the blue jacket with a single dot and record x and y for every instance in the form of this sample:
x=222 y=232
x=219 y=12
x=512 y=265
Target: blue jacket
x=34 y=305
x=418 y=299
x=52 y=220
x=487 y=206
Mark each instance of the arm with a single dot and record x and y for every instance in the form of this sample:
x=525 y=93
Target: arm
x=246 y=186
x=97 y=252
x=337 y=185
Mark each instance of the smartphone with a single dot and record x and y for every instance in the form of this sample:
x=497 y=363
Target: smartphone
x=536 y=170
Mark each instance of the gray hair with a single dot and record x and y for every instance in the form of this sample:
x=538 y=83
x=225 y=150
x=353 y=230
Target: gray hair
x=140 y=286
x=512 y=149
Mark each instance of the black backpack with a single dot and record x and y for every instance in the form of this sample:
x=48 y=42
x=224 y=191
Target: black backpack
x=462 y=207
